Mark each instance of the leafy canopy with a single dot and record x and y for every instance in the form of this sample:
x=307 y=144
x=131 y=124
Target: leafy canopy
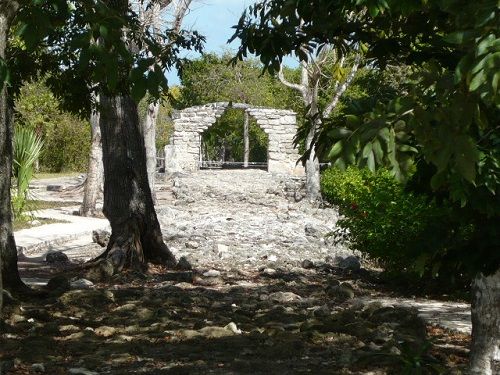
x=91 y=46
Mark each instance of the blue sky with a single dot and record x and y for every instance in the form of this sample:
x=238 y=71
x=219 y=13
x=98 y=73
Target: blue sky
x=213 y=19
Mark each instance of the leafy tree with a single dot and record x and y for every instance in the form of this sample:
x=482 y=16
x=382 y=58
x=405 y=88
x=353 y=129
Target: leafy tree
x=327 y=76
x=63 y=35
x=211 y=78
x=448 y=121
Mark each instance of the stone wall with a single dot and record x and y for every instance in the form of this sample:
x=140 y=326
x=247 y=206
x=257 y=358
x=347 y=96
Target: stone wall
x=183 y=153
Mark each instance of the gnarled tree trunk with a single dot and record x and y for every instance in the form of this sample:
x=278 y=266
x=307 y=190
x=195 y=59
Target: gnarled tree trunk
x=136 y=237
x=485 y=348
x=9 y=273
x=95 y=170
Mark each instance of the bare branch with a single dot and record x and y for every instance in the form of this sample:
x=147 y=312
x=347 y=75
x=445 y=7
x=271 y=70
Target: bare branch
x=294 y=86
x=180 y=12
x=341 y=89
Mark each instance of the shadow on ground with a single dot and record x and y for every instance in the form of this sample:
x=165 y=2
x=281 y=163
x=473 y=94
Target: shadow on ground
x=230 y=322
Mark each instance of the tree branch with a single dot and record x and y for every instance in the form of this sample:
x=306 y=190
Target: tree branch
x=294 y=86
x=339 y=90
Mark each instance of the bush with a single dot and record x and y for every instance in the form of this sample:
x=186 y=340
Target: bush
x=67 y=146
x=66 y=138
x=386 y=222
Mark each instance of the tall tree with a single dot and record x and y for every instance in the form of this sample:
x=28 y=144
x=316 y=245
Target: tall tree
x=313 y=74
x=152 y=18
x=95 y=169
x=10 y=278
x=119 y=70
x=455 y=44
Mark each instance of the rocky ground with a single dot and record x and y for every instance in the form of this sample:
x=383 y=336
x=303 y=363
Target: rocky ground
x=269 y=293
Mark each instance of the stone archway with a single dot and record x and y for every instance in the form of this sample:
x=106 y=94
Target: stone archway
x=183 y=152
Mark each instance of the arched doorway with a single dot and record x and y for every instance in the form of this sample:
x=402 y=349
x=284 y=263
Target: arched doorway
x=184 y=152
x=234 y=141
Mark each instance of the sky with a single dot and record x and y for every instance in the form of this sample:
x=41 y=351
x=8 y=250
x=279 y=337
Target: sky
x=212 y=19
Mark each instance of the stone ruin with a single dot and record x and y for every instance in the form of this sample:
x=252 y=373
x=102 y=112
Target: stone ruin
x=183 y=154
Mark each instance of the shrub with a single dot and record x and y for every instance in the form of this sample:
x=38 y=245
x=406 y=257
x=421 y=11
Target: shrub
x=387 y=222
x=26 y=150
x=66 y=137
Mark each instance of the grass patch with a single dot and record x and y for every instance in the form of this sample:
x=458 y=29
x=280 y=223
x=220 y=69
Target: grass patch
x=24 y=223
x=47 y=175
x=36 y=205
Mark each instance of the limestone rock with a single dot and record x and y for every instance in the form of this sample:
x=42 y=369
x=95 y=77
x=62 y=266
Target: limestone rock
x=38 y=367
x=341 y=292
x=58 y=284
x=81 y=371
x=192 y=245
x=307 y=264
x=81 y=284
x=101 y=237
x=105 y=331
x=211 y=273
x=284 y=297
x=55 y=257
x=348 y=263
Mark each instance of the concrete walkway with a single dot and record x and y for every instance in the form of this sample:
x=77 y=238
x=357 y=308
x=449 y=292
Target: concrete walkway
x=36 y=240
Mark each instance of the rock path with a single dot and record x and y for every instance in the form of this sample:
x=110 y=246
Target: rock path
x=249 y=221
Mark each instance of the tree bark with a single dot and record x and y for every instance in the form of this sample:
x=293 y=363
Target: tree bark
x=485 y=347
x=246 y=138
x=8 y=252
x=93 y=183
x=136 y=237
x=313 y=189
x=149 y=131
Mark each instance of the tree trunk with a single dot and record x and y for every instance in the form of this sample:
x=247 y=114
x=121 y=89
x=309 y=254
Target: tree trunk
x=246 y=137
x=95 y=170
x=312 y=168
x=149 y=131
x=136 y=237
x=485 y=348
x=8 y=253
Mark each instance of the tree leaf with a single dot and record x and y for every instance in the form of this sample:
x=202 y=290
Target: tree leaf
x=335 y=150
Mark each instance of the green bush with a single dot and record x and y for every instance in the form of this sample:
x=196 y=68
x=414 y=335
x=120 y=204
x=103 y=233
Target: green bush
x=385 y=221
x=66 y=138
x=67 y=146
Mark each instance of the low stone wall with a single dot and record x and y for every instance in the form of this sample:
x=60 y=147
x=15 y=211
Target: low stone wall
x=183 y=153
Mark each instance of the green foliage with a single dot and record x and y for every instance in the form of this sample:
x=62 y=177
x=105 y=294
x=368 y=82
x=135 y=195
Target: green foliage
x=227 y=134
x=26 y=150
x=211 y=78
x=66 y=137
x=382 y=219
x=406 y=230
x=445 y=124
x=82 y=45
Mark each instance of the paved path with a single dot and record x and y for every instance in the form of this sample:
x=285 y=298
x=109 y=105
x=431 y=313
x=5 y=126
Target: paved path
x=454 y=316
x=39 y=239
